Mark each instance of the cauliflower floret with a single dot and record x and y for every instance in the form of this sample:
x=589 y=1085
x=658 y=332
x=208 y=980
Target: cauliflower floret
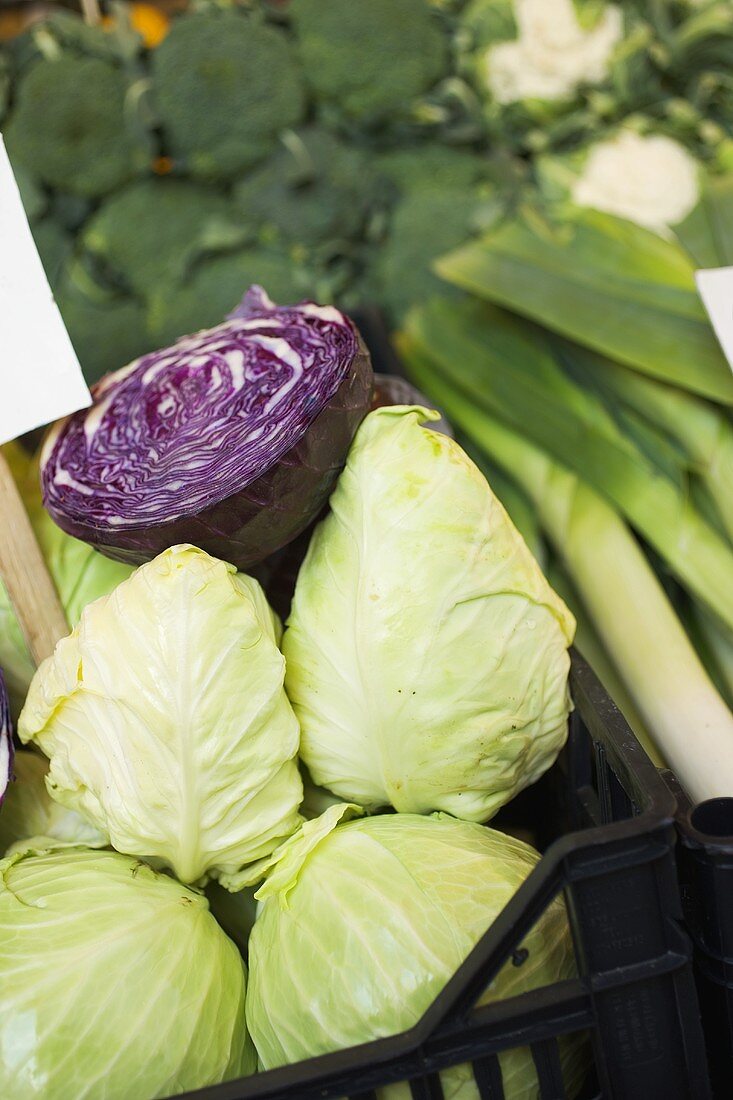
x=553 y=54
x=651 y=180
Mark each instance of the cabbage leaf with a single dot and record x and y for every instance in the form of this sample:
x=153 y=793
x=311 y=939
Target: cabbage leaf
x=426 y=653
x=30 y=818
x=398 y=902
x=115 y=981
x=165 y=720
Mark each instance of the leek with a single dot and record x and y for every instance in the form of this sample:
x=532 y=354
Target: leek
x=707 y=232
x=605 y=283
x=589 y=644
x=703 y=432
x=715 y=645
x=689 y=721
x=507 y=369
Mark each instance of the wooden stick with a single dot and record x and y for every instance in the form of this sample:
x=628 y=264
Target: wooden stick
x=91 y=13
x=24 y=573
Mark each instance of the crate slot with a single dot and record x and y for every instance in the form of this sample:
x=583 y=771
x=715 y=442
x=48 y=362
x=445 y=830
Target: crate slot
x=487 y=1073
x=546 y=1058
x=427 y=1088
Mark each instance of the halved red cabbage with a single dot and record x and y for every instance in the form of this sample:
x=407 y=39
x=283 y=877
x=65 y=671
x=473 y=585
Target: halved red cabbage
x=6 y=739
x=231 y=439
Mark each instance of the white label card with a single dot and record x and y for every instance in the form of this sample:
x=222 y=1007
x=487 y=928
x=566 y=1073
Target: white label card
x=715 y=287
x=40 y=376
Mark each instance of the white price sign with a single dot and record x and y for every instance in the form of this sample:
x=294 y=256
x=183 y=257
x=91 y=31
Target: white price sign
x=715 y=287
x=40 y=376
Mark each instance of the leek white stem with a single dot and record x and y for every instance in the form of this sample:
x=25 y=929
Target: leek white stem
x=719 y=644
x=592 y=648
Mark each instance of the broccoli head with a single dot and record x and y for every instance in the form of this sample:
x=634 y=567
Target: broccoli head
x=32 y=195
x=314 y=189
x=146 y=232
x=69 y=126
x=429 y=166
x=54 y=246
x=107 y=330
x=4 y=86
x=216 y=286
x=71 y=211
x=225 y=86
x=425 y=224
x=66 y=32
x=370 y=59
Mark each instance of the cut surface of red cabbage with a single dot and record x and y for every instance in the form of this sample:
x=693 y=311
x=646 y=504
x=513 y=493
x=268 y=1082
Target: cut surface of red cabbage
x=194 y=443
x=6 y=739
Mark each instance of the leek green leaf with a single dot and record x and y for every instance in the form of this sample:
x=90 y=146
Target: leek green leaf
x=707 y=231
x=508 y=368
x=702 y=433
x=607 y=284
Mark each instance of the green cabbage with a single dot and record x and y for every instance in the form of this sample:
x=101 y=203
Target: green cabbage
x=426 y=653
x=165 y=718
x=396 y=904
x=115 y=981
x=31 y=819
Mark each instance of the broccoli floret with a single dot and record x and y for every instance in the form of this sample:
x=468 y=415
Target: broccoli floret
x=216 y=287
x=430 y=166
x=225 y=87
x=71 y=211
x=5 y=81
x=425 y=225
x=107 y=331
x=68 y=126
x=487 y=22
x=71 y=35
x=32 y=195
x=54 y=246
x=314 y=189
x=146 y=233
x=369 y=59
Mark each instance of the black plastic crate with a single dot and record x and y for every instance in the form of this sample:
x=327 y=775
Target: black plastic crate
x=705 y=858
x=608 y=818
